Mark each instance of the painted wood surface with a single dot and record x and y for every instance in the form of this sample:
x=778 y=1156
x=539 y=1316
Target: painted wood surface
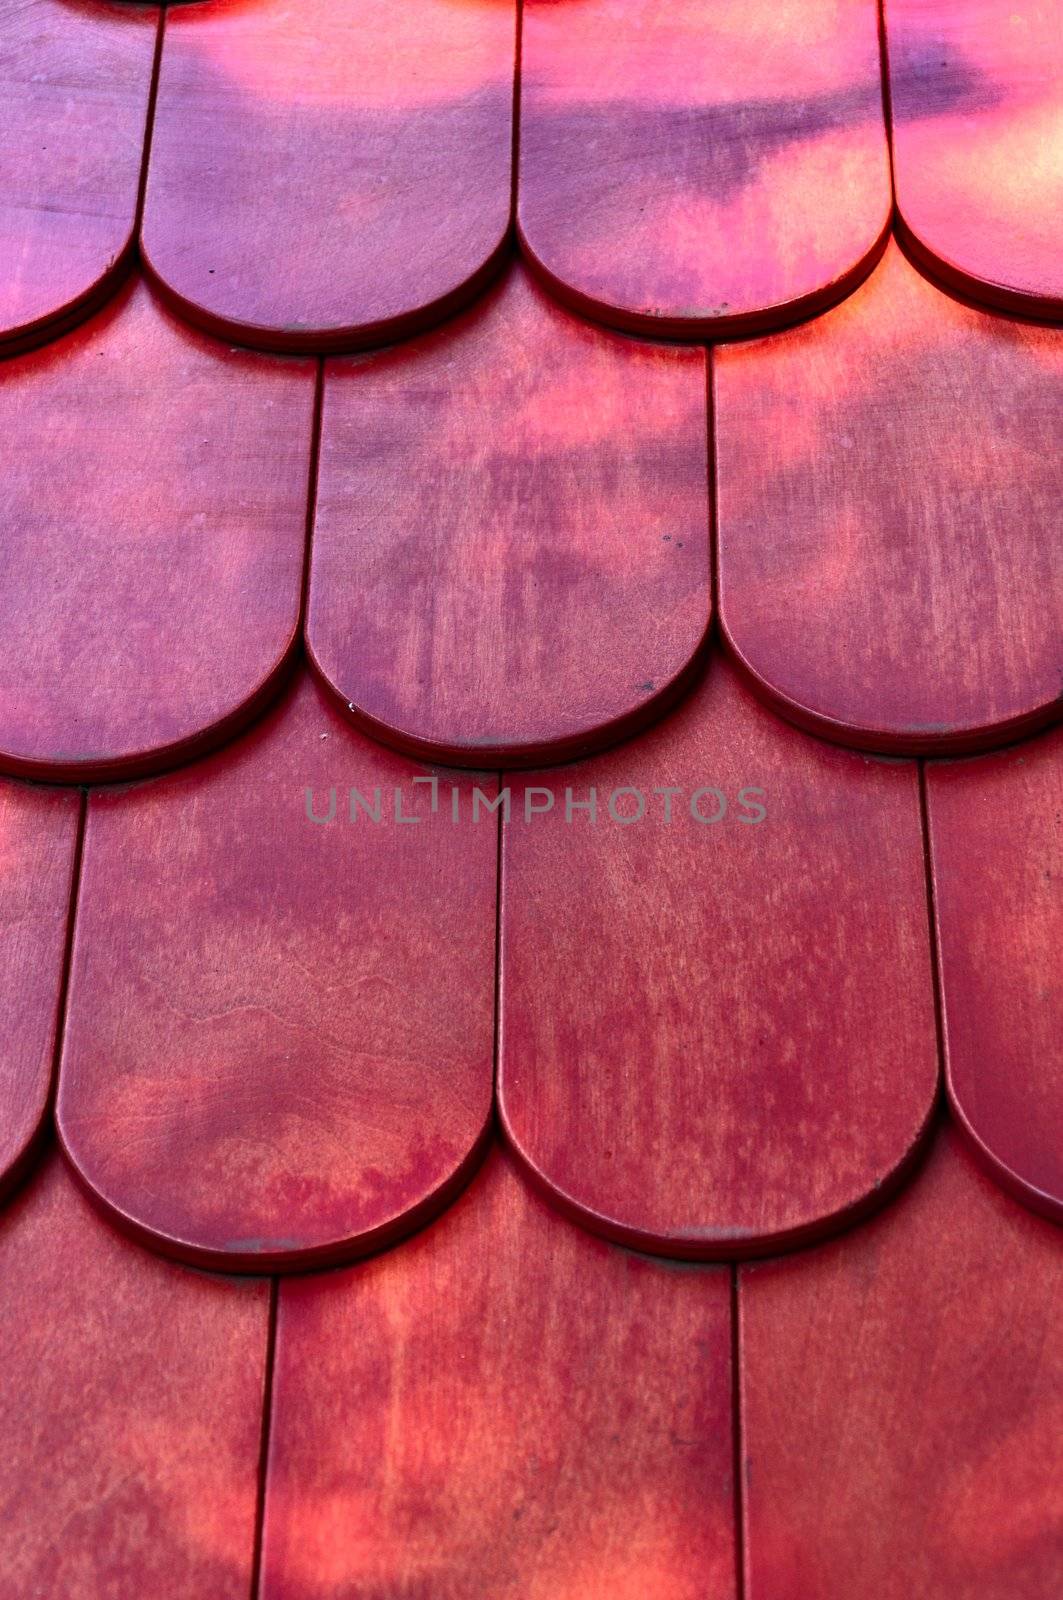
x=996 y=831
x=38 y=834
x=511 y=553
x=73 y=117
x=889 y=480
x=902 y=1402
x=977 y=99
x=702 y=170
x=279 y=1033
x=154 y=527
x=718 y=1032
x=332 y=174
x=502 y=1406
x=130 y=1411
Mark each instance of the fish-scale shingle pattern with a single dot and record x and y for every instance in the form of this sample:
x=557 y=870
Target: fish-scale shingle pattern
x=298 y=966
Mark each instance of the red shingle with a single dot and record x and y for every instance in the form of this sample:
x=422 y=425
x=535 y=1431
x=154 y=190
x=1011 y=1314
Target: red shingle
x=366 y=141
x=889 y=482
x=718 y=1035
x=977 y=94
x=75 y=85
x=901 y=1409
x=511 y=552
x=278 y=1046
x=545 y=1416
x=154 y=533
x=129 y=1412
x=996 y=830
x=701 y=171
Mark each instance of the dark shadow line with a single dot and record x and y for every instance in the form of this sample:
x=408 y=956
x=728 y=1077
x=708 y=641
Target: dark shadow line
x=497 y=1062
x=932 y=930
x=518 y=68
x=312 y=485
x=26 y=1162
x=738 y=1445
x=711 y=481
x=887 y=98
x=264 y=1443
x=149 y=130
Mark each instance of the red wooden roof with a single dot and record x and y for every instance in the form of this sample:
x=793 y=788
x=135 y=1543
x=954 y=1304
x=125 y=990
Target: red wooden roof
x=532 y=625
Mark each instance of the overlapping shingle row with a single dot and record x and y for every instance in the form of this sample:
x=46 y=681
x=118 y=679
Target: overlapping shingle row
x=704 y=979
x=509 y=547
x=680 y=172
x=507 y=1405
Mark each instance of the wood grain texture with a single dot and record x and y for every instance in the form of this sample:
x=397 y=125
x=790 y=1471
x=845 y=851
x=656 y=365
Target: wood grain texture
x=332 y=174
x=38 y=834
x=130 y=1412
x=717 y=1036
x=702 y=170
x=153 y=525
x=889 y=480
x=511 y=556
x=76 y=77
x=902 y=1402
x=996 y=831
x=503 y=1406
x=279 y=1031
x=977 y=107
